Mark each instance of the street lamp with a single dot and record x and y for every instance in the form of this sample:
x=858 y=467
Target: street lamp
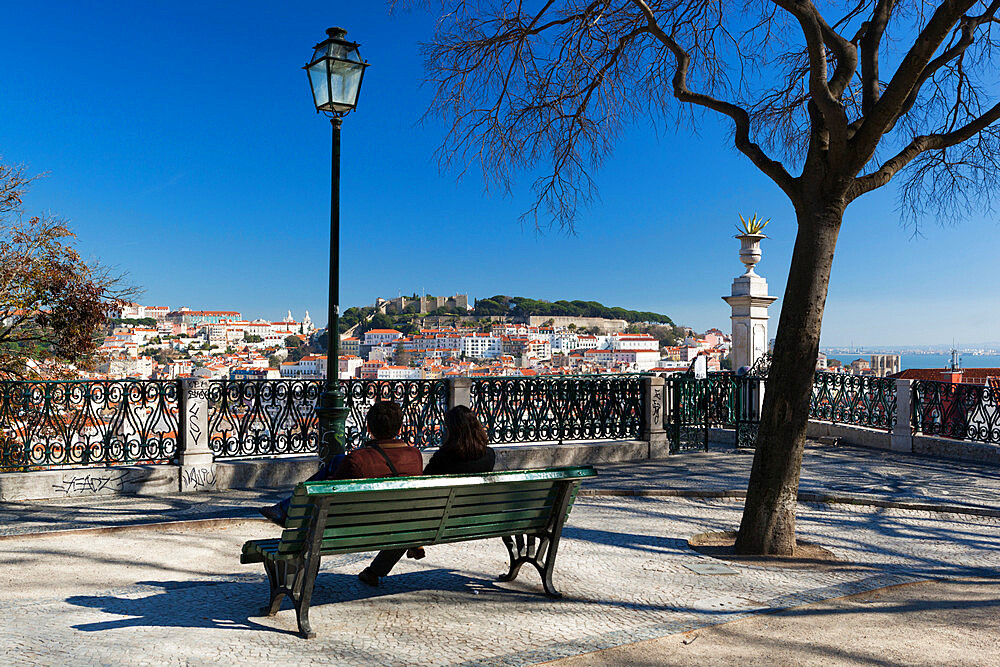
x=335 y=72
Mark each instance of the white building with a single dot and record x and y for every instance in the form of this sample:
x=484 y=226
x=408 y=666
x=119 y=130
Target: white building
x=634 y=342
x=636 y=360
x=348 y=365
x=309 y=366
x=381 y=336
x=398 y=373
x=482 y=346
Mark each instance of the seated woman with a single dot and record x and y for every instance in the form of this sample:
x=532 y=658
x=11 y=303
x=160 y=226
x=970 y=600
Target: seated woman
x=465 y=450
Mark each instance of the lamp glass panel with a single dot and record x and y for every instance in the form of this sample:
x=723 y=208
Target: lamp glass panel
x=345 y=79
x=320 y=84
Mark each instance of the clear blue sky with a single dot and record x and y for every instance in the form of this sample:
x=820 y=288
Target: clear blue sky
x=181 y=142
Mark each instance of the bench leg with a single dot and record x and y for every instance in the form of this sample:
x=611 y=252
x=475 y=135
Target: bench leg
x=522 y=549
x=303 y=591
x=281 y=577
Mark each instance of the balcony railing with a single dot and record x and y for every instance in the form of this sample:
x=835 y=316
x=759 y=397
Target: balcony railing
x=576 y=407
x=272 y=417
x=92 y=423
x=959 y=411
x=104 y=423
x=855 y=400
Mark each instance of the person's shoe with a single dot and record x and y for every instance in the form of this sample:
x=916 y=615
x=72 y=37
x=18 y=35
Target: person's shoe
x=273 y=514
x=416 y=553
x=368 y=577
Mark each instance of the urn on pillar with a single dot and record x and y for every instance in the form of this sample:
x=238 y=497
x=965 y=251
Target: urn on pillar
x=749 y=299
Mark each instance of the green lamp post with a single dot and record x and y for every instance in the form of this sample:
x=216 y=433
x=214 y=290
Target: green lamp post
x=335 y=73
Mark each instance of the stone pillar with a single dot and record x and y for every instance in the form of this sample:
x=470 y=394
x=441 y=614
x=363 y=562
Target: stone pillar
x=460 y=392
x=654 y=396
x=901 y=439
x=749 y=302
x=197 y=462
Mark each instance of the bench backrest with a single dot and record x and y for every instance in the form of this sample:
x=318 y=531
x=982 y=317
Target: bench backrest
x=402 y=512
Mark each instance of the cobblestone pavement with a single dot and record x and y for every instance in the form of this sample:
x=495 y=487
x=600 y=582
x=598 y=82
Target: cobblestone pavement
x=843 y=471
x=179 y=595
x=38 y=516
x=832 y=470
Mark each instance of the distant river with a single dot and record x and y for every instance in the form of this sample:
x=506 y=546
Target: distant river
x=928 y=360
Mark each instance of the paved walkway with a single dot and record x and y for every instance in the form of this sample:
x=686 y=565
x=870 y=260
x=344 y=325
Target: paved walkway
x=180 y=596
x=839 y=472
x=177 y=593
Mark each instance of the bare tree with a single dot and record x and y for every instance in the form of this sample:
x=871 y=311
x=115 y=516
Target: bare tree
x=848 y=94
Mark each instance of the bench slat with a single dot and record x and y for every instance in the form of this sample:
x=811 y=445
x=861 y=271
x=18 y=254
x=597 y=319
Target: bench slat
x=385 y=528
x=498 y=517
x=541 y=485
x=504 y=497
x=496 y=529
x=502 y=507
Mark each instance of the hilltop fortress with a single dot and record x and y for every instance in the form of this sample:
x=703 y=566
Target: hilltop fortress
x=425 y=304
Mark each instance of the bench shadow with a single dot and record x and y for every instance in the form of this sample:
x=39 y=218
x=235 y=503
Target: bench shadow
x=231 y=605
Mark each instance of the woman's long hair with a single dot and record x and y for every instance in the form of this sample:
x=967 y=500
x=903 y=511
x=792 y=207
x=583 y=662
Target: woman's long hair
x=465 y=437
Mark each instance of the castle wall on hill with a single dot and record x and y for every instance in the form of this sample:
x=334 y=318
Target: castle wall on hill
x=606 y=326
x=424 y=304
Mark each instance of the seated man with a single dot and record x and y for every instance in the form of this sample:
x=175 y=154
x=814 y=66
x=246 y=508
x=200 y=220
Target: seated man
x=385 y=456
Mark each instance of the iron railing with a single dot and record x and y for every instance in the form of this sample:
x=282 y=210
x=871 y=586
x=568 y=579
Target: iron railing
x=960 y=411
x=558 y=408
x=695 y=406
x=855 y=400
x=49 y=424
x=272 y=417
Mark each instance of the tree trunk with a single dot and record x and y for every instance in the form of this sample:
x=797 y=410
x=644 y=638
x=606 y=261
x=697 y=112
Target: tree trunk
x=768 y=525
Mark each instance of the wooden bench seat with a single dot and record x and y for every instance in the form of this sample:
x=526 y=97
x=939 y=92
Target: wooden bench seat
x=526 y=508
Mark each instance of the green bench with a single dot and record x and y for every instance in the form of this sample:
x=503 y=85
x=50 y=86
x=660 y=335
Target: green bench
x=527 y=508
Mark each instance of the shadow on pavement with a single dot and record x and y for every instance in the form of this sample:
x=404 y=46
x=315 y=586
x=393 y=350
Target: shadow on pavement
x=230 y=605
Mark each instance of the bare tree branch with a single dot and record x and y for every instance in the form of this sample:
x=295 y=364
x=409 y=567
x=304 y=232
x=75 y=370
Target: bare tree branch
x=922 y=144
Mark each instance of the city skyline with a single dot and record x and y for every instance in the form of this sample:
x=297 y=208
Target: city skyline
x=199 y=184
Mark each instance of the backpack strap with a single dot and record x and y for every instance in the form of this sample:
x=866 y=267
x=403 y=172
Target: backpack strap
x=388 y=461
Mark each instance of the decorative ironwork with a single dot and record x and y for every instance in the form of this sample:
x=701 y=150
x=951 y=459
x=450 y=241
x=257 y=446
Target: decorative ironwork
x=574 y=407
x=87 y=423
x=761 y=368
x=852 y=399
x=262 y=417
x=424 y=403
x=955 y=410
x=697 y=405
x=273 y=417
x=747 y=404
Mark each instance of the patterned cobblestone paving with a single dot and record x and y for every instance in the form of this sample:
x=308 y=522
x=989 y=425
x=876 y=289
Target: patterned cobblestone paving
x=847 y=471
x=623 y=568
x=839 y=470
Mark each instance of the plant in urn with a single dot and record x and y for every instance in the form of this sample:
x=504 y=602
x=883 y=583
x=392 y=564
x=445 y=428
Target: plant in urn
x=750 y=237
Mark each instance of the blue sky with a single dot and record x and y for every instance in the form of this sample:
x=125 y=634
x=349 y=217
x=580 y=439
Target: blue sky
x=180 y=140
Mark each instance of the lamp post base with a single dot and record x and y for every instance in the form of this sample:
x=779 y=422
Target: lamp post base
x=332 y=415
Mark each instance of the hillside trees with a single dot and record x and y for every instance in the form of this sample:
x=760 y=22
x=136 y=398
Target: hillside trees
x=53 y=304
x=830 y=100
x=522 y=307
